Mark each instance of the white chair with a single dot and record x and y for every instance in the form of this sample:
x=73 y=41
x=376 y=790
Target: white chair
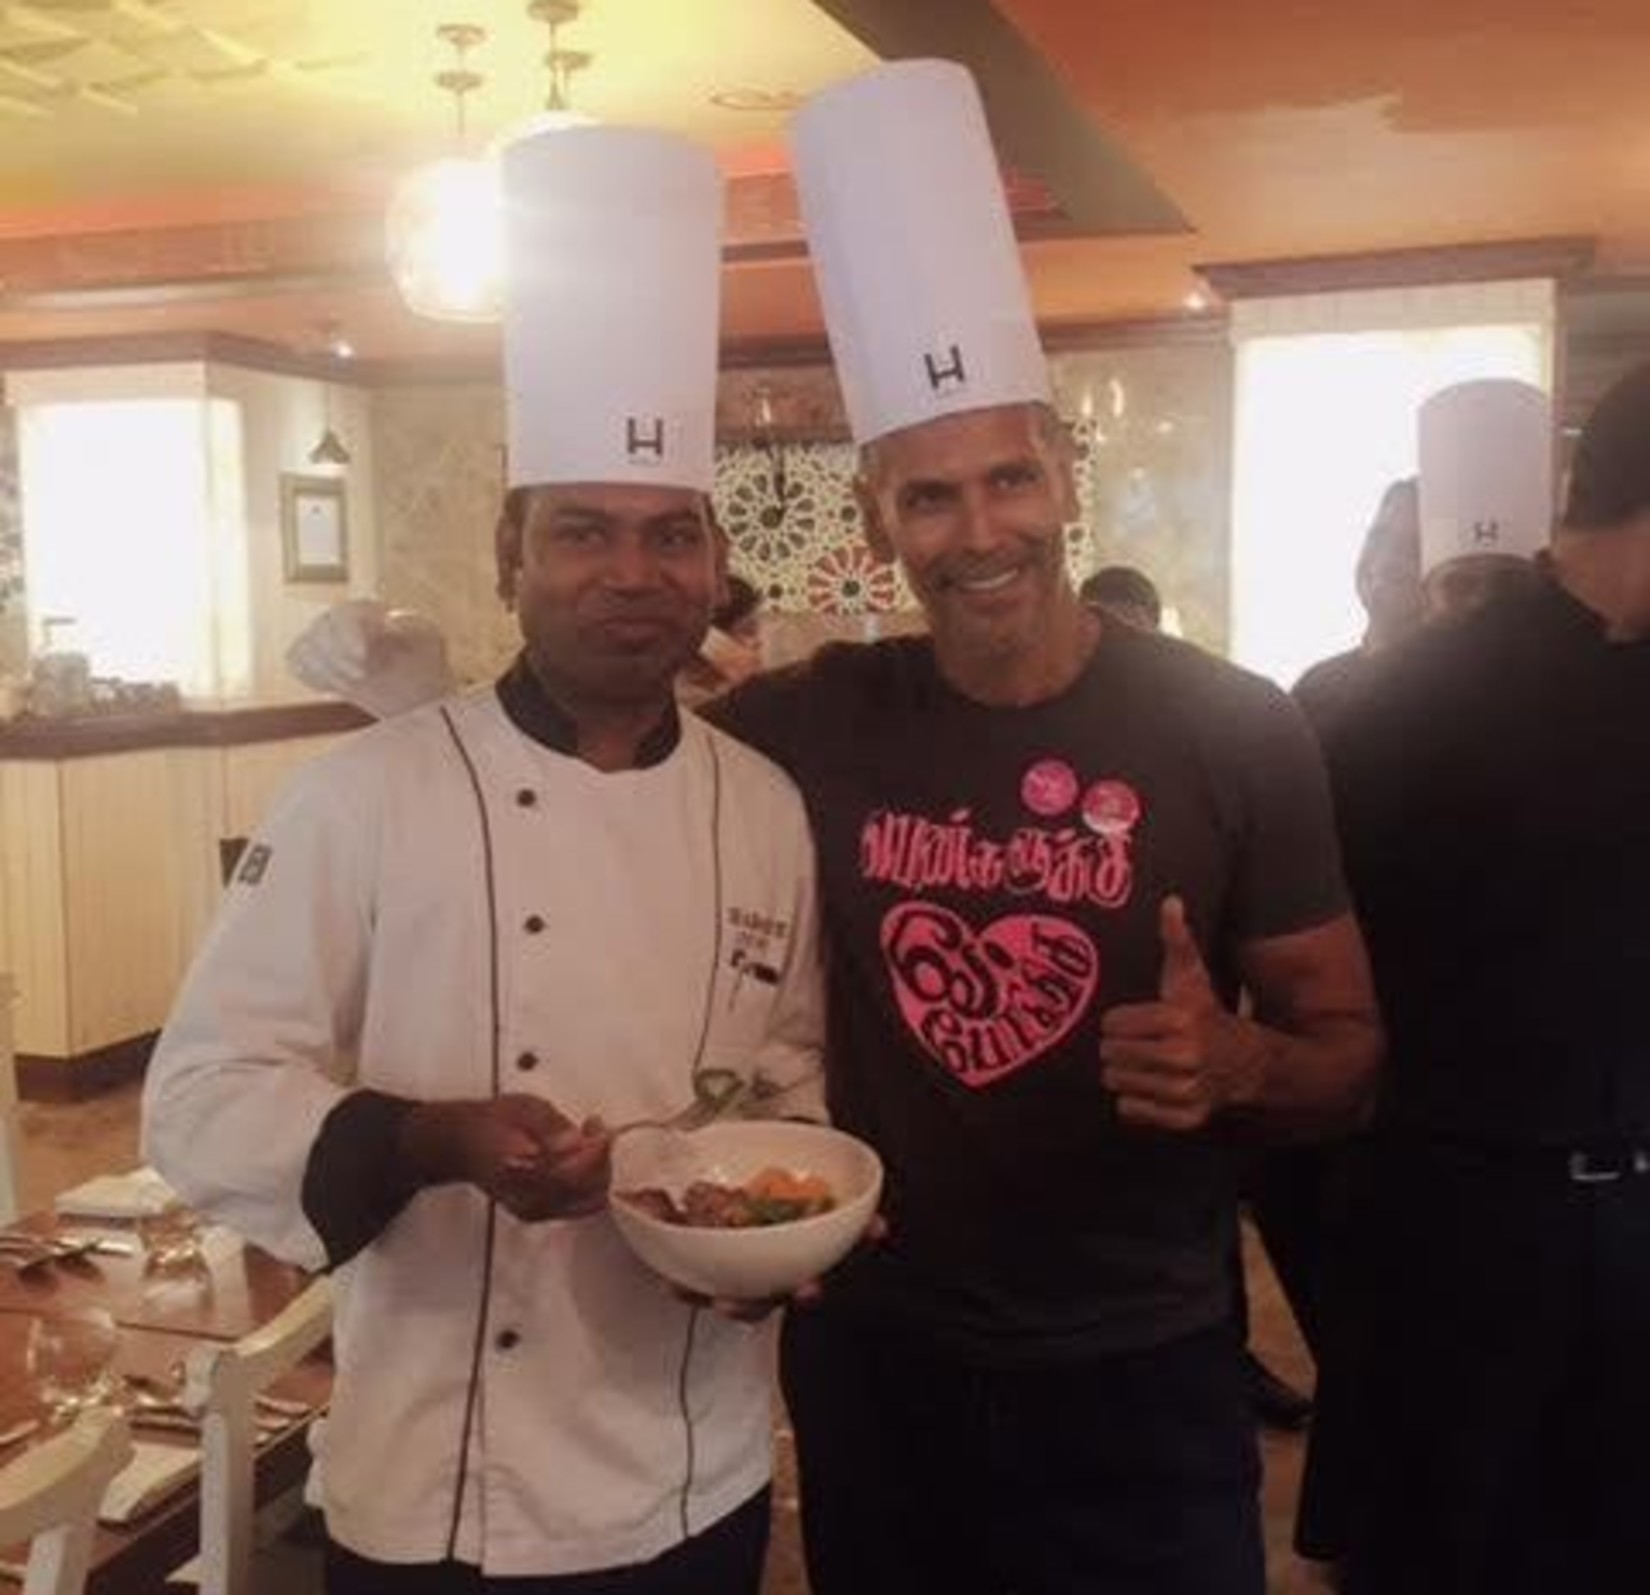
x=222 y=1384
x=49 y=1496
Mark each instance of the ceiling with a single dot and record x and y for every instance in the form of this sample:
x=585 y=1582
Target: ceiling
x=223 y=165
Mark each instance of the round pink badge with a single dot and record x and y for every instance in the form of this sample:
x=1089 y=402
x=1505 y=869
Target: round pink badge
x=1049 y=787
x=1111 y=808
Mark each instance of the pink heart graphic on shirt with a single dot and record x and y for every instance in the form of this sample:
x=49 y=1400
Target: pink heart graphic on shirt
x=986 y=1003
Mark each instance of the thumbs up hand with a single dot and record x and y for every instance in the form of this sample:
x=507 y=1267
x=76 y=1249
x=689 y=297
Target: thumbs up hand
x=1174 y=1063
x=1184 y=981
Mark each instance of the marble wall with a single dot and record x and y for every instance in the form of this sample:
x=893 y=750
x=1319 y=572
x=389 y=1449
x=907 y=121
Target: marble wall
x=439 y=458
x=1153 y=427
x=1151 y=424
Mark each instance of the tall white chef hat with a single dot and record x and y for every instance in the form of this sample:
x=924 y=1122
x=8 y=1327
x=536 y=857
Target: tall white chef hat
x=612 y=282
x=1486 y=471
x=913 y=248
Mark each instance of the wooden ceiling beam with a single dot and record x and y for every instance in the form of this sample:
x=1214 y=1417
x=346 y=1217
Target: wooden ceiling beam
x=1038 y=125
x=1511 y=260
x=152 y=266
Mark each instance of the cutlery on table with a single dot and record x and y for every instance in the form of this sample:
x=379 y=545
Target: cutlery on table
x=21 y=1249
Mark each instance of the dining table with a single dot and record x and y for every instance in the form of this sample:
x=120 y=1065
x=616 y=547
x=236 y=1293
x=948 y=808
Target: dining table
x=162 y=1314
x=227 y=1292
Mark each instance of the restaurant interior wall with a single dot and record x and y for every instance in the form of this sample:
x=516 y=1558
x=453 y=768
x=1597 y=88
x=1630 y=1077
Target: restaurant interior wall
x=255 y=426
x=1154 y=419
x=1326 y=394
x=1151 y=423
x=283 y=418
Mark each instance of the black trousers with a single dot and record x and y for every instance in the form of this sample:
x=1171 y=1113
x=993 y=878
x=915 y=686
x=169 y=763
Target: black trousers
x=1134 y=1474
x=1484 y=1407
x=1296 y=1197
x=726 y=1559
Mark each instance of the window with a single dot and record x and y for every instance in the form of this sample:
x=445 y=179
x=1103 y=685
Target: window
x=1325 y=419
x=125 y=503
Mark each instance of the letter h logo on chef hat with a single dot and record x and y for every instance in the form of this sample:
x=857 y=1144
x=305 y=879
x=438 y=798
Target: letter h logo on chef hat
x=1486 y=471
x=919 y=272
x=612 y=292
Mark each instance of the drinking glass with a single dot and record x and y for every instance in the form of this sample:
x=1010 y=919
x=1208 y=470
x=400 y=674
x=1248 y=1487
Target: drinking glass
x=70 y=1360
x=170 y=1238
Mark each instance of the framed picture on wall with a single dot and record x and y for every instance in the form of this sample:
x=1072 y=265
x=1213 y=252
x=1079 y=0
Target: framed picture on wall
x=314 y=528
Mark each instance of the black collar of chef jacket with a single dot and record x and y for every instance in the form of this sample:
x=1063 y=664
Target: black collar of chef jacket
x=535 y=714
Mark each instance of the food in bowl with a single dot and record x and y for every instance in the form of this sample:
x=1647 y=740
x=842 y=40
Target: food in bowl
x=751 y=1261
x=770 y=1196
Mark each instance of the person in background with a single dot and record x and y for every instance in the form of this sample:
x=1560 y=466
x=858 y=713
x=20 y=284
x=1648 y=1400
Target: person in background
x=1052 y=849
x=1492 y=442
x=468 y=940
x=1494 y=796
x=1415 y=569
x=732 y=649
x=1125 y=594
x=739 y=615
x=1292 y=1191
x=1388 y=581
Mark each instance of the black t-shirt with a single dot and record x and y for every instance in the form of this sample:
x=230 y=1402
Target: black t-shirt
x=1331 y=688
x=1493 y=789
x=991 y=880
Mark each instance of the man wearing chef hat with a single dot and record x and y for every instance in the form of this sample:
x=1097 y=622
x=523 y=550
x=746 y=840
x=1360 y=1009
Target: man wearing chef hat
x=465 y=941
x=1050 y=850
x=1466 y=532
x=1463 y=534
x=1051 y=847
x=1494 y=789
x=1486 y=491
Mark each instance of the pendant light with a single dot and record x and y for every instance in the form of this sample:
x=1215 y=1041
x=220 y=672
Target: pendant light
x=444 y=229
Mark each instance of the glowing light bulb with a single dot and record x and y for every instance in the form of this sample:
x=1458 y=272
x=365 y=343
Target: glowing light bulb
x=445 y=238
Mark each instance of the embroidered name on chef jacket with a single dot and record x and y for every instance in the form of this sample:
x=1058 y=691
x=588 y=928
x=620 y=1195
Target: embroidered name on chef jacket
x=756 y=947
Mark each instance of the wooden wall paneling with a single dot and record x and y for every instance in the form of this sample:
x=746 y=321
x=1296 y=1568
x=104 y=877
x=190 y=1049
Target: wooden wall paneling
x=255 y=773
x=32 y=939
x=196 y=811
x=120 y=882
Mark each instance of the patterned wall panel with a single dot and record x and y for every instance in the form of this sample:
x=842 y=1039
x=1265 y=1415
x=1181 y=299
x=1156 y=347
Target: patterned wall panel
x=794 y=526
x=438 y=455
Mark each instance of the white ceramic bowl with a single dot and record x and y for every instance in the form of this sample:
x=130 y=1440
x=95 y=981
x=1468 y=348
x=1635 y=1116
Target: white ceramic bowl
x=744 y=1264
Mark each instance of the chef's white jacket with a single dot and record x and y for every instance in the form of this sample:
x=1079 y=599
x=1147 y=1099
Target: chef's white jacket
x=444 y=907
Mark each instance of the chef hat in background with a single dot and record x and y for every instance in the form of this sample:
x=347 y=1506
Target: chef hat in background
x=913 y=247
x=1486 y=471
x=612 y=285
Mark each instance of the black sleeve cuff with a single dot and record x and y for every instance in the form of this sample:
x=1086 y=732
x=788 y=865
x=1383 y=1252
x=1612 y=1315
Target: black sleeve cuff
x=354 y=1184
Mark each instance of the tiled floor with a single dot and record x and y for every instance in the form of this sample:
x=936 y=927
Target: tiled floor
x=62 y=1145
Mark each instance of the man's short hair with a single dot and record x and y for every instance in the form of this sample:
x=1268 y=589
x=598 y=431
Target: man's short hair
x=1610 y=472
x=1123 y=584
